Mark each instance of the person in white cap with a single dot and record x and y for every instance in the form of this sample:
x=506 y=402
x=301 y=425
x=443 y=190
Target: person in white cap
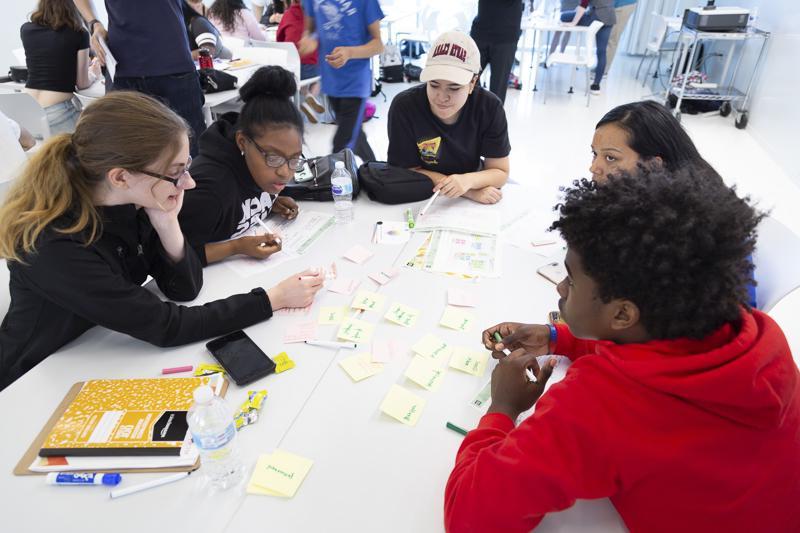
x=449 y=128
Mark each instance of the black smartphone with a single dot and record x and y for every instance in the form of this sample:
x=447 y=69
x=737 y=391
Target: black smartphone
x=241 y=358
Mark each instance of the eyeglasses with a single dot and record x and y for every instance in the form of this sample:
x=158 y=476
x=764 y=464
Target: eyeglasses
x=277 y=161
x=174 y=180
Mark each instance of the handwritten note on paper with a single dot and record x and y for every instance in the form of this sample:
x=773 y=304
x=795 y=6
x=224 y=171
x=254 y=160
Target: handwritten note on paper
x=402 y=315
x=433 y=347
x=343 y=285
x=358 y=254
x=279 y=474
x=332 y=315
x=360 y=366
x=457 y=319
x=355 y=330
x=460 y=298
x=368 y=301
x=384 y=350
x=403 y=405
x=300 y=332
x=469 y=361
x=425 y=372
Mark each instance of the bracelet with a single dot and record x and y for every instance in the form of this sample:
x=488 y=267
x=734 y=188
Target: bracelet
x=553 y=337
x=91 y=26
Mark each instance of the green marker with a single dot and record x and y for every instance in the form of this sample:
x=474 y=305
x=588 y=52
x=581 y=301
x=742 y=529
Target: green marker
x=456 y=429
x=410 y=218
x=499 y=338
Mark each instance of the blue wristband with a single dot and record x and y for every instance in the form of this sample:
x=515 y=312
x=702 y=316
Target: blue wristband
x=553 y=335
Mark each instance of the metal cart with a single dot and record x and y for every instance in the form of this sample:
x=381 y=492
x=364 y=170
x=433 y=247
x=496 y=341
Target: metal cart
x=732 y=98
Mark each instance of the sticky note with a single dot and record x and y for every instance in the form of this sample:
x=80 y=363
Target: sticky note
x=332 y=315
x=403 y=405
x=433 y=347
x=343 y=285
x=469 y=361
x=391 y=272
x=355 y=330
x=368 y=301
x=425 y=372
x=402 y=315
x=358 y=254
x=279 y=474
x=380 y=278
x=300 y=332
x=360 y=366
x=457 y=319
x=384 y=350
x=460 y=298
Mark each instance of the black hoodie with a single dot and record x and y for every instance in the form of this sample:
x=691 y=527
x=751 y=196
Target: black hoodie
x=226 y=201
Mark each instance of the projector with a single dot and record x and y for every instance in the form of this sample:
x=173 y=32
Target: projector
x=716 y=18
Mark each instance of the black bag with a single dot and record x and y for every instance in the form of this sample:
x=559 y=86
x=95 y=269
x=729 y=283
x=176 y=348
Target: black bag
x=392 y=74
x=319 y=188
x=388 y=184
x=214 y=81
x=413 y=72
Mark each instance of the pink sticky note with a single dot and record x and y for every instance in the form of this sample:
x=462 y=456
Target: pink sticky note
x=460 y=298
x=343 y=285
x=391 y=272
x=305 y=331
x=384 y=351
x=358 y=254
x=380 y=278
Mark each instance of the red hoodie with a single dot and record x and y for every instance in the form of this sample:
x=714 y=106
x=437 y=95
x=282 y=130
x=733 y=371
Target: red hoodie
x=681 y=435
x=290 y=30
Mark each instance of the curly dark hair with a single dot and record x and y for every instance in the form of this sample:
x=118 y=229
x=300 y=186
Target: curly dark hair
x=226 y=11
x=675 y=243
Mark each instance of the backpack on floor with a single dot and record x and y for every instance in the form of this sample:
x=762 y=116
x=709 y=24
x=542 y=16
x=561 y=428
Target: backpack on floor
x=391 y=63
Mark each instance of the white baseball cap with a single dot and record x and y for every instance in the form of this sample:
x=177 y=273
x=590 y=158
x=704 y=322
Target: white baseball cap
x=454 y=57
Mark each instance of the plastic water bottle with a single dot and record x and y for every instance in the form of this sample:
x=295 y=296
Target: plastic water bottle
x=214 y=433
x=342 y=190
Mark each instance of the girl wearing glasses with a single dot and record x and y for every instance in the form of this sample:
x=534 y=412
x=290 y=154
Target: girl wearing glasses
x=245 y=161
x=92 y=215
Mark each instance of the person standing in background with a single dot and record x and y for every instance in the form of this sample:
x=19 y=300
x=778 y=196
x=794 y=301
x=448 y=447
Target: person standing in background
x=623 y=9
x=347 y=35
x=149 y=41
x=496 y=30
x=587 y=12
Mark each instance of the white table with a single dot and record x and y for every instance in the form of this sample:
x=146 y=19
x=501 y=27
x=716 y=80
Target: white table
x=370 y=473
x=538 y=26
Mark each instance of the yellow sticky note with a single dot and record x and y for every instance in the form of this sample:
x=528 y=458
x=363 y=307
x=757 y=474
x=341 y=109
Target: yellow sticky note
x=332 y=315
x=433 y=347
x=425 y=372
x=403 y=405
x=469 y=361
x=360 y=366
x=456 y=318
x=402 y=314
x=355 y=330
x=368 y=301
x=279 y=474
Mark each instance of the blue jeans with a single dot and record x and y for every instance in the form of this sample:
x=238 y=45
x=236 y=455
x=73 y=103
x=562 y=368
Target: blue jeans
x=309 y=71
x=179 y=92
x=62 y=117
x=602 y=40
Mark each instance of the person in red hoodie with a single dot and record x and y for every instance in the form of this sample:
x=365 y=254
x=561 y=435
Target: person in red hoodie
x=681 y=405
x=290 y=30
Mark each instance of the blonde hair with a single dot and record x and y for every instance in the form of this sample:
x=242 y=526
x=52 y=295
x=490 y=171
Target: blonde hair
x=120 y=130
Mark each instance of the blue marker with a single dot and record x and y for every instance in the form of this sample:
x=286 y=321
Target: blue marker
x=66 y=478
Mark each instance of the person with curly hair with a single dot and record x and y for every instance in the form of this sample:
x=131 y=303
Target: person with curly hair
x=234 y=20
x=681 y=405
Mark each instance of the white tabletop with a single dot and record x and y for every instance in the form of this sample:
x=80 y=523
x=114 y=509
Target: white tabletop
x=369 y=473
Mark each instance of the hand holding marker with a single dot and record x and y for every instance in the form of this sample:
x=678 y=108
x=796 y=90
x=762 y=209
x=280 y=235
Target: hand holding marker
x=507 y=352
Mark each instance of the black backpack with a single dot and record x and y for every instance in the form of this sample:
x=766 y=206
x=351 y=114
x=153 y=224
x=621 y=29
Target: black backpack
x=388 y=184
x=319 y=187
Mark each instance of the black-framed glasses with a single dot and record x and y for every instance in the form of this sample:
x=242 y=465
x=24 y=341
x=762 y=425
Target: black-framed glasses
x=277 y=161
x=171 y=179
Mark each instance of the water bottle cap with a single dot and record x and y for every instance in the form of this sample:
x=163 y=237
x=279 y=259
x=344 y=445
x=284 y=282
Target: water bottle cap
x=203 y=394
x=338 y=164
x=111 y=479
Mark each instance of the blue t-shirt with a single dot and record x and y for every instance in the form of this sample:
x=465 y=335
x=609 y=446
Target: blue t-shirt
x=148 y=37
x=344 y=23
x=623 y=3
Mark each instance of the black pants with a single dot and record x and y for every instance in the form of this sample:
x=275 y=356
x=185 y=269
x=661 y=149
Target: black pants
x=501 y=57
x=179 y=92
x=349 y=113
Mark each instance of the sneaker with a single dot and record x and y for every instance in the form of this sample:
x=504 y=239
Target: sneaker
x=310 y=115
x=595 y=88
x=315 y=104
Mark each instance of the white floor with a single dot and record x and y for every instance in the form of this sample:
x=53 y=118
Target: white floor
x=551 y=146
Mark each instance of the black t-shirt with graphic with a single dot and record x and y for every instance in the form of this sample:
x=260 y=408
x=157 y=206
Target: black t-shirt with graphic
x=418 y=139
